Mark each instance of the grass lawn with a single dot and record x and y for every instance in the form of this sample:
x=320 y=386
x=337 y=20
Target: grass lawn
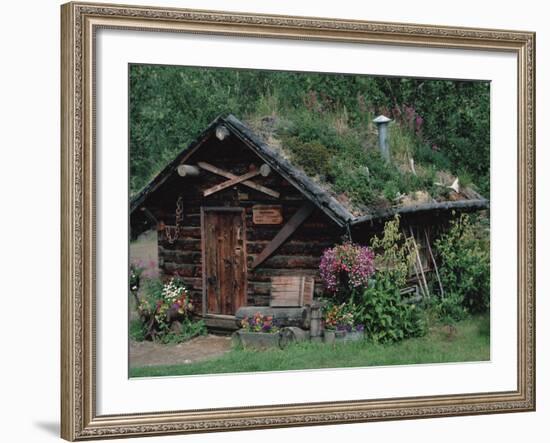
x=469 y=341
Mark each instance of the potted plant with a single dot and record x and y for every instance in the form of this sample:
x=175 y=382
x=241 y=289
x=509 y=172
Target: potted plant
x=338 y=322
x=346 y=268
x=330 y=321
x=355 y=333
x=329 y=335
x=258 y=332
x=341 y=331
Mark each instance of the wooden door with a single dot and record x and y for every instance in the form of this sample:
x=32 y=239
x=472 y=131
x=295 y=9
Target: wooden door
x=224 y=260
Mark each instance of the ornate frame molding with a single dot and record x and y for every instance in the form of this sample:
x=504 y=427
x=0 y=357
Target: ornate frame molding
x=79 y=420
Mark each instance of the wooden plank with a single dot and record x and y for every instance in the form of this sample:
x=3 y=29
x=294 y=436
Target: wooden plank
x=267 y=214
x=212 y=272
x=226 y=272
x=230 y=182
x=224 y=262
x=285 y=291
x=308 y=289
x=419 y=261
x=291 y=290
x=250 y=184
x=434 y=263
x=287 y=230
x=409 y=248
x=239 y=250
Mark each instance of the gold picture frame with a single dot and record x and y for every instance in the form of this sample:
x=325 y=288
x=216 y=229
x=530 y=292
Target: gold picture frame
x=80 y=21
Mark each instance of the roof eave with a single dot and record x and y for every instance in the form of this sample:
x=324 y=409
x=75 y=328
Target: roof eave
x=163 y=175
x=326 y=203
x=461 y=205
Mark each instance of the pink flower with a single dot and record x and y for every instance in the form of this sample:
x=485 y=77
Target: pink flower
x=348 y=265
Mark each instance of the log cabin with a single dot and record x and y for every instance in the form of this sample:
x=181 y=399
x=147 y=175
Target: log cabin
x=245 y=228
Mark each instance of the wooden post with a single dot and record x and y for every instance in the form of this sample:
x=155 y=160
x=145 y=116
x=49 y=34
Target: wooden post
x=316 y=318
x=419 y=261
x=415 y=266
x=188 y=171
x=265 y=170
x=221 y=132
x=434 y=263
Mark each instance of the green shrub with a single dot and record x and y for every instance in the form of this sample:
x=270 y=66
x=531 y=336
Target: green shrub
x=354 y=180
x=313 y=157
x=465 y=264
x=448 y=309
x=380 y=306
x=189 y=330
x=385 y=316
x=484 y=327
x=426 y=154
x=137 y=330
x=367 y=178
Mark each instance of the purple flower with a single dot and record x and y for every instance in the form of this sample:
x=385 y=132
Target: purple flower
x=347 y=265
x=360 y=328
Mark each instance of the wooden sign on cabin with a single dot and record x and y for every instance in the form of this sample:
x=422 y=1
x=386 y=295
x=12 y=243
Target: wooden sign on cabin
x=267 y=214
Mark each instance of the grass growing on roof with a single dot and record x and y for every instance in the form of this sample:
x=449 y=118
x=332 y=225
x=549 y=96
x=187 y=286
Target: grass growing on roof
x=441 y=123
x=343 y=154
x=468 y=341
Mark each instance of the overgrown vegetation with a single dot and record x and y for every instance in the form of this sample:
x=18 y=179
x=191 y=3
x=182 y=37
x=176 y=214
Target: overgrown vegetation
x=322 y=120
x=374 y=303
x=386 y=315
x=164 y=310
x=465 y=268
x=359 y=296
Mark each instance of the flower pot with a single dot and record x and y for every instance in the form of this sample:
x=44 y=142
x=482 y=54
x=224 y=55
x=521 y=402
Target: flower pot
x=340 y=335
x=329 y=336
x=257 y=340
x=355 y=336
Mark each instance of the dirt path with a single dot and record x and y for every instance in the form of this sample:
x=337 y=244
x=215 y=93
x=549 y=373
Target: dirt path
x=148 y=353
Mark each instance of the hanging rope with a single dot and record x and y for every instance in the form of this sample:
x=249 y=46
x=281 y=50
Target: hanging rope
x=173 y=232
x=349 y=231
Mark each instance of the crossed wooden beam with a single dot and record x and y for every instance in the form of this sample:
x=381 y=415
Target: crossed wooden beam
x=244 y=179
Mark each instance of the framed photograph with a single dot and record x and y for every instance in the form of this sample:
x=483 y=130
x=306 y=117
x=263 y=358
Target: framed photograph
x=284 y=221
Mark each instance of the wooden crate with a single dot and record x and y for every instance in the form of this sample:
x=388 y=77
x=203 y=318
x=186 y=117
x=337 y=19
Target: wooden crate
x=287 y=291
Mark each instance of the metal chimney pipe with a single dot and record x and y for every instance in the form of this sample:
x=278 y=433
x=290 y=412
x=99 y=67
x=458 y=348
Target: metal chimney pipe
x=382 y=126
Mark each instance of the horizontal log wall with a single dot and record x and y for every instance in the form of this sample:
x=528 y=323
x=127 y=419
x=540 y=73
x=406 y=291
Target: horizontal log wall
x=299 y=255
